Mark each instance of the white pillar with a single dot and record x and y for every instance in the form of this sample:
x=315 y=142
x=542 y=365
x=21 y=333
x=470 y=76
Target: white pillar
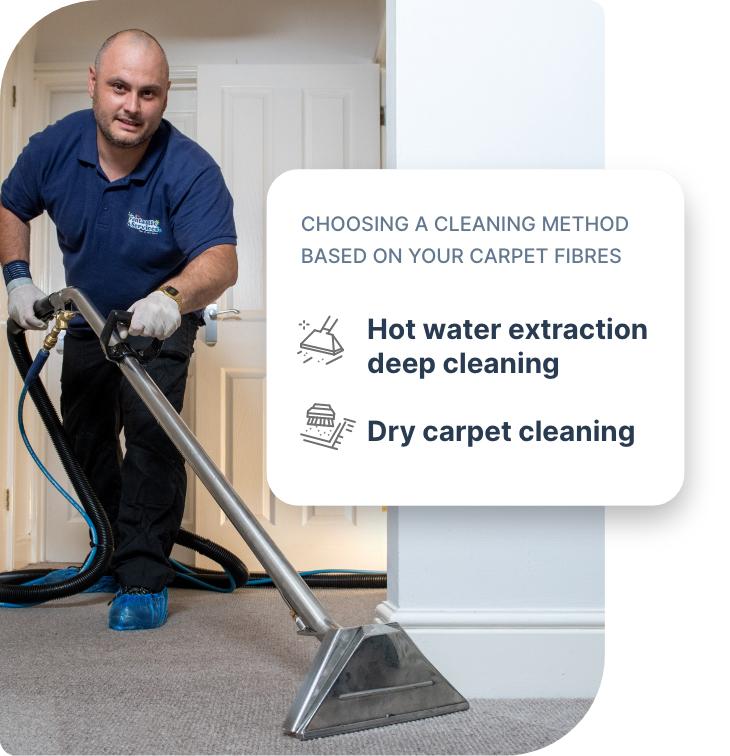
x=507 y=602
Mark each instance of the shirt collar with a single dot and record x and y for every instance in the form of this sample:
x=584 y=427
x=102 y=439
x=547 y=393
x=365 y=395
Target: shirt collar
x=87 y=148
x=152 y=154
x=89 y=153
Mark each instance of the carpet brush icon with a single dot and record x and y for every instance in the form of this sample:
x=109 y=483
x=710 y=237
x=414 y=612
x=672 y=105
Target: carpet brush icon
x=321 y=414
x=322 y=430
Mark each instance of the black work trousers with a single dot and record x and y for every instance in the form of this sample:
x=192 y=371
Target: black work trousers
x=142 y=491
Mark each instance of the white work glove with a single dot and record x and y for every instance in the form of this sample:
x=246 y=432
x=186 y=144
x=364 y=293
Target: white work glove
x=20 y=306
x=156 y=316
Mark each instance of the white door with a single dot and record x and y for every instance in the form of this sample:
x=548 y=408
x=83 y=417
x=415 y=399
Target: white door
x=257 y=122
x=66 y=533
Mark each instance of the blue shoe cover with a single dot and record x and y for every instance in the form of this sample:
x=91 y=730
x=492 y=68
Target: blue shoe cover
x=138 y=611
x=105 y=584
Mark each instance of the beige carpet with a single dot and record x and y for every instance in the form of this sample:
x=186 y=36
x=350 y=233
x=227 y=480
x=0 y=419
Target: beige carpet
x=217 y=678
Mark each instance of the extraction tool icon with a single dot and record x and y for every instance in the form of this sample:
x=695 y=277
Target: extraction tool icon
x=321 y=341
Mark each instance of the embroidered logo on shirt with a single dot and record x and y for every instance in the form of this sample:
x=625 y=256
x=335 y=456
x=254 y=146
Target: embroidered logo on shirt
x=151 y=226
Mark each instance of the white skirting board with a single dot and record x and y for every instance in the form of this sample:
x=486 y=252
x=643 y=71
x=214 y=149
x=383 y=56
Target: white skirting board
x=509 y=654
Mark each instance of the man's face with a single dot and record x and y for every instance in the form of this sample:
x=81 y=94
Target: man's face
x=129 y=92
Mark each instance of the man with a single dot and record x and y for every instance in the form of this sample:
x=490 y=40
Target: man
x=145 y=223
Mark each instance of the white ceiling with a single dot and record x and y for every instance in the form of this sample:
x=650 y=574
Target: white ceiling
x=220 y=31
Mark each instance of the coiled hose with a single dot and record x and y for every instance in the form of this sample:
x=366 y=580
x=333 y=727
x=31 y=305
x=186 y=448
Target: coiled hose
x=12 y=593
x=15 y=594
x=234 y=569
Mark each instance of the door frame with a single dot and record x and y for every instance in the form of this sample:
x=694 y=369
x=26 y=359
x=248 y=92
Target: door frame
x=16 y=485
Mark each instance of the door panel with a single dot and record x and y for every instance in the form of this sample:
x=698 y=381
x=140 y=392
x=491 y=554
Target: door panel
x=257 y=122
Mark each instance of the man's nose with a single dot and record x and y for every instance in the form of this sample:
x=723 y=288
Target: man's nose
x=131 y=102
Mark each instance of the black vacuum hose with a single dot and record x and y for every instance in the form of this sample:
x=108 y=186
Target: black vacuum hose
x=97 y=568
x=10 y=592
x=229 y=561
x=334 y=580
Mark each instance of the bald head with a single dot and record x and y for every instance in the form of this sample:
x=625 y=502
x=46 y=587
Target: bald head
x=129 y=39
x=128 y=85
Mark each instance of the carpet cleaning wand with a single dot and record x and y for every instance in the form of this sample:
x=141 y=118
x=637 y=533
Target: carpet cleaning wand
x=361 y=677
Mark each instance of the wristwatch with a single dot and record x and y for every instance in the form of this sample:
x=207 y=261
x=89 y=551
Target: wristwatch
x=173 y=293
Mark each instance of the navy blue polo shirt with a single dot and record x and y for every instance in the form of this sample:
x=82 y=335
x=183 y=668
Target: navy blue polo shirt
x=121 y=239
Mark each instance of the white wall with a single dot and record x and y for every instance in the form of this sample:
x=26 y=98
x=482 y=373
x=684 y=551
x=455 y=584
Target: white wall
x=220 y=31
x=498 y=84
x=514 y=558
x=505 y=601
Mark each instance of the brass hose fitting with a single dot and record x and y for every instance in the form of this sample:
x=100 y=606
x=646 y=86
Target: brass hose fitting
x=62 y=320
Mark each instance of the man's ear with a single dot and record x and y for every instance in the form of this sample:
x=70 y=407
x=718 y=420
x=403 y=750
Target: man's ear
x=91 y=84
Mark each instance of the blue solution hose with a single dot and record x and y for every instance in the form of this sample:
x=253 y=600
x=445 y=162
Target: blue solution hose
x=33 y=372
x=183 y=571
x=307 y=573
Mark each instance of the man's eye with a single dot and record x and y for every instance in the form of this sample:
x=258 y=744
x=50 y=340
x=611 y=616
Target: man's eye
x=118 y=87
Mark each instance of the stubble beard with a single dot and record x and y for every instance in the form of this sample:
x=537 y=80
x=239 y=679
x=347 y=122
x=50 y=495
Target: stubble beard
x=106 y=132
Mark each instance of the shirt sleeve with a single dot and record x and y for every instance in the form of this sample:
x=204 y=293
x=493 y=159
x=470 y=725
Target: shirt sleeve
x=203 y=217
x=20 y=191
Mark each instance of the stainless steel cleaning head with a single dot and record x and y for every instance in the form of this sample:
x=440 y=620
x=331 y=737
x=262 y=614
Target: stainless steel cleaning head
x=368 y=676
